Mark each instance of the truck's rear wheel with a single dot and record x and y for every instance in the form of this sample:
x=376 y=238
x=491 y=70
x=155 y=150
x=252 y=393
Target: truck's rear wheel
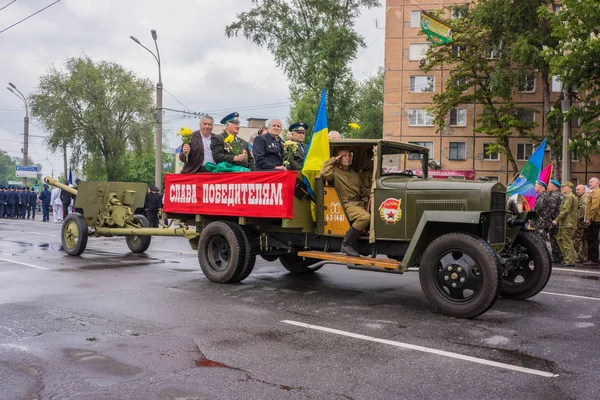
x=527 y=277
x=139 y=244
x=74 y=235
x=298 y=265
x=249 y=254
x=460 y=275
x=221 y=252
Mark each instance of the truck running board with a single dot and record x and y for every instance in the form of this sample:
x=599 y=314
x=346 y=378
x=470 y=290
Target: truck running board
x=375 y=264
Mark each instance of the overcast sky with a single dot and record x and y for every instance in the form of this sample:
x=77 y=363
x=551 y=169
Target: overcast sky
x=202 y=68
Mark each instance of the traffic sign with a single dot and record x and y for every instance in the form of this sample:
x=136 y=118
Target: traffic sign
x=29 y=171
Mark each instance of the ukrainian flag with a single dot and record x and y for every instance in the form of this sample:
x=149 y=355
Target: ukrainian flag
x=318 y=146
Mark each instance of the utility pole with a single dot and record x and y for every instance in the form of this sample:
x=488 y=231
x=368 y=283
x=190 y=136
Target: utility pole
x=65 y=161
x=20 y=95
x=565 y=173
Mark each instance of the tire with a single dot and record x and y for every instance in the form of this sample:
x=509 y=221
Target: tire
x=269 y=257
x=221 y=252
x=298 y=265
x=528 y=277
x=139 y=244
x=249 y=255
x=467 y=262
x=74 y=234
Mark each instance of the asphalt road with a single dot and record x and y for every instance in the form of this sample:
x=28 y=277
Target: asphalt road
x=115 y=325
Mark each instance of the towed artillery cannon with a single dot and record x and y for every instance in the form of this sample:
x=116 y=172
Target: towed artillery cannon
x=109 y=209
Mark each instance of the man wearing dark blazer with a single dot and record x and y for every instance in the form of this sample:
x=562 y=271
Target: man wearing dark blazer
x=223 y=151
x=298 y=130
x=198 y=151
x=268 y=148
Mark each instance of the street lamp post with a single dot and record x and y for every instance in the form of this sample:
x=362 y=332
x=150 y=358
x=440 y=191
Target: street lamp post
x=13 y=89
x=158 y=116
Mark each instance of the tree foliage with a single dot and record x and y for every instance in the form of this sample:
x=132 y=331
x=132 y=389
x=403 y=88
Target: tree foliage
x=496 y=45
x=314 y=42
x=7 y=167
x=574 y=60
x=99 y=109
x=369 y=108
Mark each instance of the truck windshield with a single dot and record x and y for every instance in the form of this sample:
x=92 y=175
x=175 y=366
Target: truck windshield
x=395 y=161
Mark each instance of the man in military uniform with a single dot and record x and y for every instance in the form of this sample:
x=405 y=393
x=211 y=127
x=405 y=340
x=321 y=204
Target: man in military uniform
x=2 y=200
x=152 y=204
x=31 y=203
x=353 y=195
x=592 y=215
x=12 y=200
x=566 y=220
x=223 y=151
x=23 y=201
x=268 y=149
x=298 y=130
x=554 y=200
x=45 y=199
x=541 y=208
x=579 y=240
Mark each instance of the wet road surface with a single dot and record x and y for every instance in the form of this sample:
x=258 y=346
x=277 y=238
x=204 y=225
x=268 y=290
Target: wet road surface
x=116 y=325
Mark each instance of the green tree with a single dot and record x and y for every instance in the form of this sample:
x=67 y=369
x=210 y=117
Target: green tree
x=7 y=167
x=314 y=42
x=574 y=60
x=141 y=166
x=369 y=108
x=99 y=109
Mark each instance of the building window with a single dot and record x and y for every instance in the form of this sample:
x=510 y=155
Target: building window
x=556 y=85
x=422 y=84
x=574 y=156
x=415 y=19
x=529 y=84
x=458 y=117
x=526 y=116
x=493 y=53
x=489 y=156
x=458 y=151
x=417 y=156
x=460 y=11
x=524 y=151
x=417 y=51
x=575 y=122
x=457 y=50
x=419 y=117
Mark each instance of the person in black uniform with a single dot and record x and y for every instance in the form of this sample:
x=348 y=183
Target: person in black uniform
x=223 y=151
x=2 y=200
x=12 y=199
x=65 y=199
x=268 y=148
x=45 y=199
x=23 y=202
x=31 y=203
x=152 y=205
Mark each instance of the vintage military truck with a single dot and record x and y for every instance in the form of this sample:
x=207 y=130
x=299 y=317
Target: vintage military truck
x=468 y=247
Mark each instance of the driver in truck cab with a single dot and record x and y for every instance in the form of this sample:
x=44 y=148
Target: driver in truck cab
x=354 y=196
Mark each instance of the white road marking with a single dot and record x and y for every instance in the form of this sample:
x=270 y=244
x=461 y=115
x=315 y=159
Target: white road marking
x=22 y=263
x=176 y=251
x=577 y=270
x=571 y=295
x=44 y=234
x=426 y=350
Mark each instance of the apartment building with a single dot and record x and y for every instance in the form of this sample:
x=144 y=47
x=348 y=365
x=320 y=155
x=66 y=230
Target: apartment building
x=458 y=150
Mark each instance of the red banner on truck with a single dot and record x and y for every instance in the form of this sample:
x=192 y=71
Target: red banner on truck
x=244 y=194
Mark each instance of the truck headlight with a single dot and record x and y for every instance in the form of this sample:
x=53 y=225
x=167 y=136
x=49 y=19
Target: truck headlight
x=515 y=204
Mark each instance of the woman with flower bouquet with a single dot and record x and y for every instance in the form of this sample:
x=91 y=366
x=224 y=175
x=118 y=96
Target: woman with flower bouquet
x=228 y=147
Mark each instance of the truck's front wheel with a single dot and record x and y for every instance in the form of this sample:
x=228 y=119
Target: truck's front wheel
x=221 y=252
x=460 y=275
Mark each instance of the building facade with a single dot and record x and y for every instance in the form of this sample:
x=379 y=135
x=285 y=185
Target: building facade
x=457 y=148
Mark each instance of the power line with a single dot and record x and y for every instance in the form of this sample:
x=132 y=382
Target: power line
x=7 y=5
x=176 y=99
x=26 y=18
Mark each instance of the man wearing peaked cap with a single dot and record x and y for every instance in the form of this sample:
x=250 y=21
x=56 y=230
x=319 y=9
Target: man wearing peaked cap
x=298 y=130
x=566 y=221
x=45 y=199
x=2 y=200
x=555 y=198
x=223 y=151
x=541 y=207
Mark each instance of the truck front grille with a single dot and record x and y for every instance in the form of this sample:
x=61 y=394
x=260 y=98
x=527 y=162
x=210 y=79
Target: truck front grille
x=498 y=201
x=496 y=232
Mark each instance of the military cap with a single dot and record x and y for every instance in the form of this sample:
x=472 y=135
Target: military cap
x=541 y=183
x=569 y=184
x=153 y=188
x=45 y=186
x=555 y=182
x=298 y=127
x=233 y=117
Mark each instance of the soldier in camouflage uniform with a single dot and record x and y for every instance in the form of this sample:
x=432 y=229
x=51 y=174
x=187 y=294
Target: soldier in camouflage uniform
x=555 y=199
x=566 y=221
x=541 y=205
x=579 y=240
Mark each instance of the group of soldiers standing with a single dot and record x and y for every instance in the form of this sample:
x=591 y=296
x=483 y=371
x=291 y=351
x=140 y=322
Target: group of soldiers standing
x=17 y=202
x=569 y=221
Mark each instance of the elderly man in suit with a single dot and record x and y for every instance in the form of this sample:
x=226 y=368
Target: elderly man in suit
x=228 y=147
x=268 y=148
x=196 y=154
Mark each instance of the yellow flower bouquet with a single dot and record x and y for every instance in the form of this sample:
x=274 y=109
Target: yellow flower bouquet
x=232 y=146
x=290 y=147
x=186 y=137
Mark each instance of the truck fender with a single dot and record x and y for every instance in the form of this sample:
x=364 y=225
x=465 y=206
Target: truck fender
x=436 y=223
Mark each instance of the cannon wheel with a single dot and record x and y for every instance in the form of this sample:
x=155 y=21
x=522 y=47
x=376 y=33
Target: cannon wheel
x=460 y=275
x=298 y=265
x=74 y=235
x=139 y=244
x=222 y=252
x=529 y=276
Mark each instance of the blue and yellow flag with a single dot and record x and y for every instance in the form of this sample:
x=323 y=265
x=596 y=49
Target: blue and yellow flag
x=318 y=146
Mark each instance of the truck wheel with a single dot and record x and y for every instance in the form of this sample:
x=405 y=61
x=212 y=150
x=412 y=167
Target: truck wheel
x=269 y=257
x=74 y=234
x=249 y=255
x=298 y=265
x=460 y=275
x=139 y=244
x=221 y=252
x=530 y=276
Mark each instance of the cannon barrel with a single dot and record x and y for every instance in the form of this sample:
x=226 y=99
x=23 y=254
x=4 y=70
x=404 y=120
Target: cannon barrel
x=51 y=181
